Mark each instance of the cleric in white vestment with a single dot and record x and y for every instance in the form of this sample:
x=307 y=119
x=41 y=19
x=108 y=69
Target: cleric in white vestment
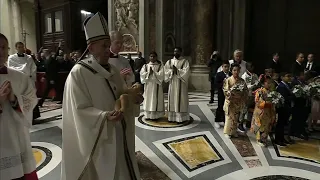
x=17 y=100
x=177 y=72
x=23 y=62
x=152 y=76
x=237 y=58
x=97 y=141
x=119 y=61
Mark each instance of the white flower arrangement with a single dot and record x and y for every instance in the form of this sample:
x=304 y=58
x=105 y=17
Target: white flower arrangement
x=300 y=91
x=238 y=87
x=313 y=90
x=275 y=98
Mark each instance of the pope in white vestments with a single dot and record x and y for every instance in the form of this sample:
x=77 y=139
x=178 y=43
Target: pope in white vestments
x=17 y=100
x=177 y=72
x=96 y=139
x=152 y=76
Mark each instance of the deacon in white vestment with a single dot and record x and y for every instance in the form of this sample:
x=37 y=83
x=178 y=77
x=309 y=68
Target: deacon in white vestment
x=17 y=100
x=23 y=62
x=152 y=76
x=177 y=72
x=96 y=139
x=237 y=58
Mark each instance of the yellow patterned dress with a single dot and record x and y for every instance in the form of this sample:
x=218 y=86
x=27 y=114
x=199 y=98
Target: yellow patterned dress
x=264 y=116
x=234 y=104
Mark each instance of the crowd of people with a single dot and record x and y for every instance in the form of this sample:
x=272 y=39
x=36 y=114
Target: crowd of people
x=104 y=90
x=244 y=103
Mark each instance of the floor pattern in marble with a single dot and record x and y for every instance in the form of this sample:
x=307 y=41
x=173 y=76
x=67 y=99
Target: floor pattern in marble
x=192 y=150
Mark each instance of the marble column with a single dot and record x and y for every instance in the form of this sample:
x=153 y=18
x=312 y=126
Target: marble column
x=202 y=25
x=159 y=29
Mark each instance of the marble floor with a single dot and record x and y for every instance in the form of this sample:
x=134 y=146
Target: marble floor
x=192 y=150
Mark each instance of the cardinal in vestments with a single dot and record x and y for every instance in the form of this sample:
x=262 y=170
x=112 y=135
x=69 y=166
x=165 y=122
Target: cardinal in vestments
x=17 y=100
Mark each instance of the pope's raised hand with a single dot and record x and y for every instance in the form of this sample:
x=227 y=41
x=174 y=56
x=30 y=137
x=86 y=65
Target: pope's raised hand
x=114 y=116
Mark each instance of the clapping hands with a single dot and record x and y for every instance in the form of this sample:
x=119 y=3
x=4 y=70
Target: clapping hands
x=175 y=70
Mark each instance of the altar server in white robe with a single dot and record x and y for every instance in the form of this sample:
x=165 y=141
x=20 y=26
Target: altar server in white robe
x=17 y=100
x=23 y=62
x=177 y=72
x=119 y=61
x=152 y=76
x=96 y=139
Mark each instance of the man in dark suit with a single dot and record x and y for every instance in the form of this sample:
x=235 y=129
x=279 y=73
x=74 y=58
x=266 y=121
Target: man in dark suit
x=214 y=63
x=298 y=66
x=138 y=64
x=300 y=112
x=311 y=65
x=219 y=79
x=284 y=112
x=52 y=75
x=275 y=64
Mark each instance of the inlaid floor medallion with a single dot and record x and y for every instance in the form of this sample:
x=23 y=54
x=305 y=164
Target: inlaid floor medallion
x=279 y=177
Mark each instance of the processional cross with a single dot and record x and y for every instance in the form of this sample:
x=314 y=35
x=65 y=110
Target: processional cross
x=24 y=37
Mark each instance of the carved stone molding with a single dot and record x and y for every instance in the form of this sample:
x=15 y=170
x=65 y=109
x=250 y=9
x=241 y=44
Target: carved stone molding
x=127 y=22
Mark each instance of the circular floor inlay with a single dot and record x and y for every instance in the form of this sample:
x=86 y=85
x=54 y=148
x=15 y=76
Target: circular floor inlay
x=163 y=122
x=47 y=156
x=278 y=177
x=164 y=125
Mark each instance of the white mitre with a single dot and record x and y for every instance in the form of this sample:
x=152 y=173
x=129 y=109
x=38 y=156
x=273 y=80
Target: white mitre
x=96 y=28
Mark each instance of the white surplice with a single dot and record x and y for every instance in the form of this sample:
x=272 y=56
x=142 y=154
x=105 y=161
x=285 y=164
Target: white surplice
x=23 y=64
x=178 y=101
x=121 y=63
x=90 y=93
x=16 y=157
x=153 y=92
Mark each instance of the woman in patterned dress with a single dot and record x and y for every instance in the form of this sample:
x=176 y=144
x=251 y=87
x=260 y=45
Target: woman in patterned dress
x=235 y=101
x=264 y=113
